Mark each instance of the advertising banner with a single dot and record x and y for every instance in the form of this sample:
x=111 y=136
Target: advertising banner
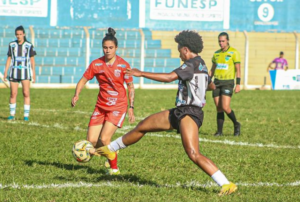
x=184 y=10
x=26 y=8
x=285 y=80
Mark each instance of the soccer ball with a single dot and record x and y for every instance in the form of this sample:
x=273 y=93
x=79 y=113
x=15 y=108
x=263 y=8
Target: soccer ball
x=80 y=151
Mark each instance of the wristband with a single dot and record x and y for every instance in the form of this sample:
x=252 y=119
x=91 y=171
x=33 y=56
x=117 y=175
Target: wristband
x=238 y=81
x=132 y=107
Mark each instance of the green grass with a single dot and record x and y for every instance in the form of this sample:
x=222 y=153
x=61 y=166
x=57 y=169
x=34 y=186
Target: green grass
x=37 y=165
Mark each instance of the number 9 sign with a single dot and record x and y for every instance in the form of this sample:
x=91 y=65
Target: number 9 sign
x=265 y=12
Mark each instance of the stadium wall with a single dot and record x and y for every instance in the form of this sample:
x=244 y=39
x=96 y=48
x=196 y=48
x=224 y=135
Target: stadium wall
x=246 y=15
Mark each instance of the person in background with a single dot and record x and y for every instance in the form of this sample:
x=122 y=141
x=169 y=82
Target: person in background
x=20 y=68
x=111 y=106
x=225 y=68
x=280 y=63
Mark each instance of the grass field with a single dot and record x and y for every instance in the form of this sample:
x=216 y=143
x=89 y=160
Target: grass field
x=37 y=165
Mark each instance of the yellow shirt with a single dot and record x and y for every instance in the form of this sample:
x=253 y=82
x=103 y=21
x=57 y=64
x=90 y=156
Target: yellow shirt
x=225 y=61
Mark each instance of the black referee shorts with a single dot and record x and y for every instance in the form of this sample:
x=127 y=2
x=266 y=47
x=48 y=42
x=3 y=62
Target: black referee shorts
x=223 y=87
x=178 y=113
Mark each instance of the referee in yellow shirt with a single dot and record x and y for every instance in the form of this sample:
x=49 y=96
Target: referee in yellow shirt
x=225 y=69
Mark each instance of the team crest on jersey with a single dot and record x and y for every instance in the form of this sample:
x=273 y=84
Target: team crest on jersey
x=98 y=64
x=227 y=58
x=25 y=51
x=183 y=66
x=121 y=65
x=117 y=72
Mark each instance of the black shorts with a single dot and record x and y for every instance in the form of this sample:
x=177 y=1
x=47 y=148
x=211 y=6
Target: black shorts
x=18 y=80
x=223 y=87
x=178 y=113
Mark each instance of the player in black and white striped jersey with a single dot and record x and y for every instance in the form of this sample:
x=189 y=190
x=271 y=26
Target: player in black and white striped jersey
x=187 y=117
x=21 y=67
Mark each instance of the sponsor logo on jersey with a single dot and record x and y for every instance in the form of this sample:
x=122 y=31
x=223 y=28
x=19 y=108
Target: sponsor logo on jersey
x=178 y=101
x=227 y=91
x=13 y=45
x=27 y=46
x=111 y=101
x=96 y=113
x=121 y=65
x=115 y=93
x=117 y=72
x=202 y=67
x=126 y=76
x=20 y=59
x=98 y=64
x=101 y=71
x=222 y=66
x=116 y=113
x=230 y=52
x=183 y=66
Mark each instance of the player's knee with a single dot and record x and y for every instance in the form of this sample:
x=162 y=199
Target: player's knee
x=193 y=154
x=13 y=94
x=26 y=94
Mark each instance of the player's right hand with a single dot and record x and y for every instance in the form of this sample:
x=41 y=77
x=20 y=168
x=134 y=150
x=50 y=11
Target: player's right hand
x=74 y=100
x=4 y=77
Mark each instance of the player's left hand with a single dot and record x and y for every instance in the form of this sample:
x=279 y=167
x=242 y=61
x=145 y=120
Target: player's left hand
x=237 y=89
x=131 y=115
x=133 y=72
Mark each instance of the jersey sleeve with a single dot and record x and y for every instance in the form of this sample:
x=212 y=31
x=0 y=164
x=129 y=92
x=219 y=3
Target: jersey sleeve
x=236 y=57
x=213 y=59
x=9 y=51
x=185 y=72
x=32 y=51
x=89 y=73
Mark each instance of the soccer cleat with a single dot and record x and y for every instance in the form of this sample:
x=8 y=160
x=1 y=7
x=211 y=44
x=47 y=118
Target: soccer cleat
x=218 y=134
x=113 y=171
x=26 y=118
x=237 y=129
x=104 y=151
x=106 y=164
x=11 y=118
x=228 y=189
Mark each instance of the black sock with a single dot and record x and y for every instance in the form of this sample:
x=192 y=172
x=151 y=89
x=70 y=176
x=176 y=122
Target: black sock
x=232 y=117
x=220 y=121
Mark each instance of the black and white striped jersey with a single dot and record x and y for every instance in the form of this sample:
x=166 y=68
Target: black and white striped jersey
x=193 y=82
x=20 y=67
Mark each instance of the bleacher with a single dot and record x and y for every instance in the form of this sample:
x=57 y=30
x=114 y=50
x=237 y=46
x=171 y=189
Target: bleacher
x=61 y=52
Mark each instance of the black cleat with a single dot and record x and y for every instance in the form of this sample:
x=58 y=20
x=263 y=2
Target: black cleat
x=237 y=129
x=218 y=134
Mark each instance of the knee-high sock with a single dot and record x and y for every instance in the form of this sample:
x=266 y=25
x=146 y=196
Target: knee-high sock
x=232 y=117
x=12 y=109
x=220 y=121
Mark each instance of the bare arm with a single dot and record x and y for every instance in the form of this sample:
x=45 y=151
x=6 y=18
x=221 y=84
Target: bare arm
x=8 y=61
x=162 y=77
x=32 y=61
x=212 y=70
x=211 y=86
x=130 y=88
x=238 y=75
x=79 y=87
x=270 y=67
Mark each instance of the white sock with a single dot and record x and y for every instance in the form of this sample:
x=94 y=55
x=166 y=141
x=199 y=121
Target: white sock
x=116 y=145
x=12 y=109
x=219 y=178
x=26 y=110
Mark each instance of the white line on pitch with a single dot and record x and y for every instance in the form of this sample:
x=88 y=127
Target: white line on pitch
x=126 y=128
x=114 y=184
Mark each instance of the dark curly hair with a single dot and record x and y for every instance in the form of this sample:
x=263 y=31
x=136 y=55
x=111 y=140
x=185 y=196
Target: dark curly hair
x=110 y=36
x=190 y=39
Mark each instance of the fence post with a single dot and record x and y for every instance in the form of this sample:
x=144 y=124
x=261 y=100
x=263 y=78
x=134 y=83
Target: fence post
x=296 y=51
x=246 y=60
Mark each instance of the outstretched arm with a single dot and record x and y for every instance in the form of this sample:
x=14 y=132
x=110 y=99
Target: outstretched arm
x=130 y=88
x=79 y=87
x=162 y=77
